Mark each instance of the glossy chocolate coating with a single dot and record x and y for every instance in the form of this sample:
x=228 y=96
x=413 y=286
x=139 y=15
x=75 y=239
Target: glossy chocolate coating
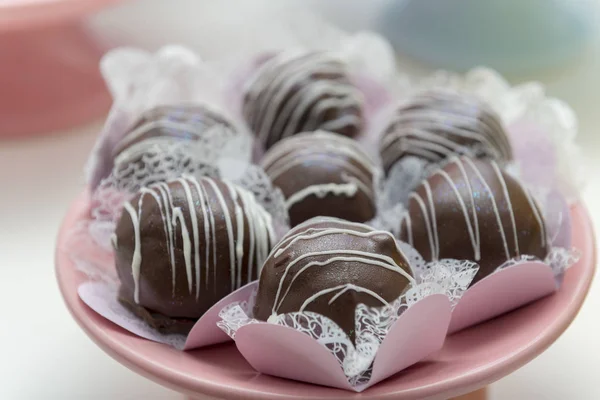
x=185 y=122
x=182 y=246
x=297 y=92
x=472 y=210
x=322 y=174
x=440 y=123
x=329 y=266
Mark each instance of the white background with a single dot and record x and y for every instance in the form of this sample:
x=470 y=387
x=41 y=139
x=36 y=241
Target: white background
x=44 y=355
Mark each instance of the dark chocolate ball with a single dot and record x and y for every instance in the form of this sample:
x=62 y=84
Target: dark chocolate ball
x=472 y=210
x=182 y=246
x=322 y=174
x=329 y=266
x=171 y=139
x=440 y=123
x=296 y=92
x=184 y=122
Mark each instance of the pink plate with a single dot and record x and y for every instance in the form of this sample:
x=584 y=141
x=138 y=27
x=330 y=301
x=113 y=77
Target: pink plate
x=469 y=360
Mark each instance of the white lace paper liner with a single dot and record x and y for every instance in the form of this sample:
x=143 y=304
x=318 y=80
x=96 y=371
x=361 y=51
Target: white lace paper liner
x=448 y=277
x=139 y=81
x=558 y=259
x=170 y=161
x=106 y=293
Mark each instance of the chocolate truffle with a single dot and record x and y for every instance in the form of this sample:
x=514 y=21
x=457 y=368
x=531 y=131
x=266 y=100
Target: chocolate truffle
x=296 y=92
x=472 y=210
x=183 y=122
x=142 y=150
x=329 y=266
x=440 y=123
x=182 y=246
x=322 y=174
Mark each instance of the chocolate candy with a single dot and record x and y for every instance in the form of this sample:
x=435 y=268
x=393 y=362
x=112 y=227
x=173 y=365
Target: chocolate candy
x=323 y=174
x=440 y=123
x=182 y=246
x=472 y=210
x=329 y=266
x=296 y=92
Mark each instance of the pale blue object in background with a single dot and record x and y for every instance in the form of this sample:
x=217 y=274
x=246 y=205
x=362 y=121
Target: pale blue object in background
x=512 y=36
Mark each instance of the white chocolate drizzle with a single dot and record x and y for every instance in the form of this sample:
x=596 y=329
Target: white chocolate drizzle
x=180 y=123
x=509 y=240
x=194 y=218
x=336 y=189
x=356 y=169
x=292 y=91
x=136 y=260
x=437 y=124
x=335 y=227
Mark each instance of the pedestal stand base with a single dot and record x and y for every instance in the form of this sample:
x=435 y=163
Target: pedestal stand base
x=49 y=79
x=480 y=394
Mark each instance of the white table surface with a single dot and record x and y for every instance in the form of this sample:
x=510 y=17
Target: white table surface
x=43 y=353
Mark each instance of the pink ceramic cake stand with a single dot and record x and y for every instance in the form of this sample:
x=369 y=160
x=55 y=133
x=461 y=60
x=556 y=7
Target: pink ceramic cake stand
x=469 y=361
x=49 y=77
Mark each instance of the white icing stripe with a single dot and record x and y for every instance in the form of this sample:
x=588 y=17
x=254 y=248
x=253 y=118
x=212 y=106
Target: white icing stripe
x=279 y=82
x=339 y=255
x=477 y=238
x=361 y=260
x=213 y=235
x=136 y=260
x=206 y=224
x=417 y=128
x=322 y=142
x=436 y=239
x=316 y=220
x=192 y=124
x=342 y=289
x=473 y=231
x=510 y=207
x=343 y=121
x=166 y=197
x=239 y=240
x=229 y=228
x=314 y=233
x=494 y=205
x=409 y=228
x=310 y=98
x=173 y=126
x=316 y=82
x=187 y=246
x=294 y=160
x=425 y=215
x=356 y=168
x=198 y=208
x=252 y=218
x=336 y=189
x=192 y=210
x=472 y=224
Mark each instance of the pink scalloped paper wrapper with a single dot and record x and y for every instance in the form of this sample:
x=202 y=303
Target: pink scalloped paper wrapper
x=287 y=353
x=101 y=290
x=503 y=291
x=310 y=347
x=516 y=285
x=102 y=298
